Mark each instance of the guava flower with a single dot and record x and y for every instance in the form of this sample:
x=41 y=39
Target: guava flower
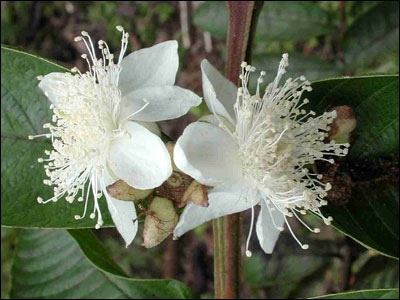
x=103 y=126
x=257 y=150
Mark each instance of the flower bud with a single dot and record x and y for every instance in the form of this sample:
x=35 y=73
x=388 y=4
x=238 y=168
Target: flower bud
x=122 y=191
x=195 y=192
x=342 y=126
x=161 y=219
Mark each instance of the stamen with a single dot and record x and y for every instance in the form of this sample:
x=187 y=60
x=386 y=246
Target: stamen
x=303 y=246
x=84 y=122
x=270 y=210
x=248 y=252
x=316 y=230
x=278 y=138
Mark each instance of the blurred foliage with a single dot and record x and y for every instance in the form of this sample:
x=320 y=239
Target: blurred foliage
x=278 y=21
x=331 y=265
x=74 y=265
x=147 y=18
x=61 y=21
x=365 y=42
x=145 y=263
x=337 y=264
x=376 y=272
x=340 y=33
x=8 y=236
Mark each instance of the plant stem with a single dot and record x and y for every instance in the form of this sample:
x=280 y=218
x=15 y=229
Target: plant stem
x=227 y=230
x=219 y=261
x=171 y=259
x=240 y=15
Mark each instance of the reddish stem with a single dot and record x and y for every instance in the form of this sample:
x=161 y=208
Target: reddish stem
x=240 y=14
x=227 y=231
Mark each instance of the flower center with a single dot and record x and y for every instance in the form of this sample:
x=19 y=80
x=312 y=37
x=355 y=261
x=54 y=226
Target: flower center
x=279 y=142
x=86 y=109
x=84 y=121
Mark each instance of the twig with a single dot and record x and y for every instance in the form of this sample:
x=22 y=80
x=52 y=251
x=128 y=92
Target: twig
x=185 y=26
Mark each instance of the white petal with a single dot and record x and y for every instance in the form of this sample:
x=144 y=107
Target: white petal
x=208 y=154
x=140 y=158
x=153 y=127
x=212 y=119
x=164 y=103
x=225 y=199
x=266 y=231
x=123 y=213
x=219 y=93
x=53 y=85
x=152 y=66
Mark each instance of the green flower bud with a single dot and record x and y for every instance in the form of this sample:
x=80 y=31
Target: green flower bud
x=161 y=219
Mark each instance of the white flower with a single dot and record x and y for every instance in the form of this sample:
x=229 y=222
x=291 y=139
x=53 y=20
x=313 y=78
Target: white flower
x=257 y=150
x=102 y=126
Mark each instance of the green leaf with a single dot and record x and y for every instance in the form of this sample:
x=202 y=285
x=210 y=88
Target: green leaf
x=8 y=237
x=373 y=35
x=292 y=21
x=277 y=269
x=375 y=102
x=378 y=272
x=94 y=251
x=366 y=294
x=49 y=264
x=276 y=276
x=358 y=8
x=23 y=111
x=278 y=21
x=371 y=217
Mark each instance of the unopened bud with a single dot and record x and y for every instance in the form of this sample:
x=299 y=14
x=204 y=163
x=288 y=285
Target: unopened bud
x=195 y=192
x=122 y=191
x=161 y=219
x=343 y=125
